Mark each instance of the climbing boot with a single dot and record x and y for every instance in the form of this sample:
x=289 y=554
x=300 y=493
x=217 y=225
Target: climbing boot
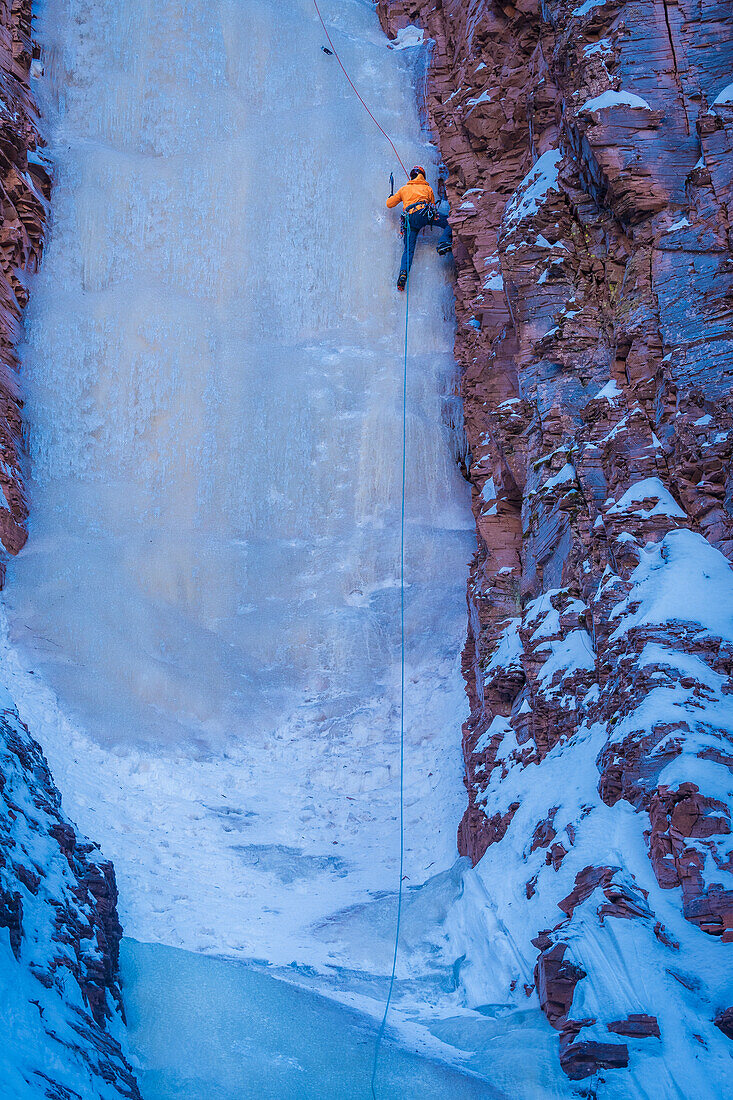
x=402 y=280
x=443 y=249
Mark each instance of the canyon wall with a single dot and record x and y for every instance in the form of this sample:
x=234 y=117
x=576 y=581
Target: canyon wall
x=59 y=931
x=24 y=193
x=588 y=147
x=59 y=940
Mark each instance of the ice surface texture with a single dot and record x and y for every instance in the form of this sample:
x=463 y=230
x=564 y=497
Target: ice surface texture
x=213 y=1029
x=213 y=381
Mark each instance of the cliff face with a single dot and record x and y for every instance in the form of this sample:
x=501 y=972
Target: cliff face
x=24 y=192
x=59 y=932
x=591 y=185
x=59 y=939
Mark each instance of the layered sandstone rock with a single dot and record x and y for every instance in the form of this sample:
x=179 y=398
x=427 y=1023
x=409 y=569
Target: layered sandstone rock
x=24 y=193
x=590 y=175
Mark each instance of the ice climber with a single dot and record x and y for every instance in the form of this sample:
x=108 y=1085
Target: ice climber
x=419 y=211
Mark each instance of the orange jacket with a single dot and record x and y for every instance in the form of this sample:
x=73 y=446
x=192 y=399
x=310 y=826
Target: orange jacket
x=417 y=190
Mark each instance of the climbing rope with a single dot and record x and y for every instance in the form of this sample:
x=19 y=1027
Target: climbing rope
x=383 y=1024
x=356 y=90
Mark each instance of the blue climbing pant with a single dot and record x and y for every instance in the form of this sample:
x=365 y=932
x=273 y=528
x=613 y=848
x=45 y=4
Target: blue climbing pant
x=412 y=223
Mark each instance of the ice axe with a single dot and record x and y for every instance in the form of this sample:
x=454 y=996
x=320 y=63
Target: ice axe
x=391 y=193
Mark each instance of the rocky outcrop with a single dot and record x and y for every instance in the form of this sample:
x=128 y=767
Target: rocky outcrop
x=24 y=193
x=588 y=147
x=59 y=939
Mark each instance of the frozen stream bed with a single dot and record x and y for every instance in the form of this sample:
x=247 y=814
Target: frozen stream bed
x=212 y=1029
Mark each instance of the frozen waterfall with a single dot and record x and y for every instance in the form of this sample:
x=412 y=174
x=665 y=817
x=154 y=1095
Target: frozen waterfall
x=209 y=596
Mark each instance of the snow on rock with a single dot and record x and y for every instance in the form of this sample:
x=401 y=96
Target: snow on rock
x=504 y=670
x=726 y=96
x=59 y=939
x=476 y=101
x=587 y=7
x=406 y=37
x=563 y=477
x=493 y=282
x=597 y=396
x=541 y=179
x=611 y=392
x=680 y=578
x=493 y=279
x=615 y=99
x=651 y=490
x=604 y=46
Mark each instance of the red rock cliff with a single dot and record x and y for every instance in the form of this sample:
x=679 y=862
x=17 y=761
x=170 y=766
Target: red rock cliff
x=24 y=192
x=591 y=184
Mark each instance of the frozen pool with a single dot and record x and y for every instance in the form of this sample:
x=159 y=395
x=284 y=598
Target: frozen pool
x=214 y=1029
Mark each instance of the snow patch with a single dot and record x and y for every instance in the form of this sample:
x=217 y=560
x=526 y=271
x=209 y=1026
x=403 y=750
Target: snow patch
x=498 y=725
x=610 y=392
x=534 y=188
x=562 y=477
x=588 y=6
x=566 y=657
x=711 y=777
x=488 y=493
x=508 y=653
x=651 y=488
x=485 y=97
x=601 y=47
x=726 y=96
x=407 y=37
x=615 y=99
x=680 y=579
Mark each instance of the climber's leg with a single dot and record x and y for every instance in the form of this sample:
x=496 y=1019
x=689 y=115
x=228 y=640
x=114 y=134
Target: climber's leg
x=445 y=243
x=414 y=222
x=410 y=234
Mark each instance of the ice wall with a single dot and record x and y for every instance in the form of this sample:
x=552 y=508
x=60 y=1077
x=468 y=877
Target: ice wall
x=213 y=386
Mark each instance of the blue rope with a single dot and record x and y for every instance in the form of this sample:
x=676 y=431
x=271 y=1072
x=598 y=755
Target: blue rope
x=380 y=1033
x=382 y=1026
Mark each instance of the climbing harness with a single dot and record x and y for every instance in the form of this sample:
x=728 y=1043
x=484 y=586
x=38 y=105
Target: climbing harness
x=356 y=91
x=419 y=205
x=383 y=1024
x=422 y=206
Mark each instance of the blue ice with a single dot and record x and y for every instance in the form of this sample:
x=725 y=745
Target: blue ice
x=206 y=1028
